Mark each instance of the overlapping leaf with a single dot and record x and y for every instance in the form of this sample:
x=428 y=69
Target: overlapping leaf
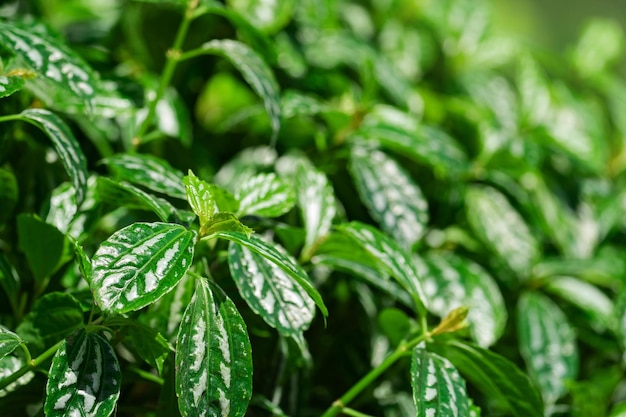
x=9 y=365
x=9 y=341
x=85 y=378
x=207 y=200
x=547 y=344
x=213 y=356
x=264 y=195
x=140 y=263
x=390 y=194
x=9 y=85
x=270 y=291
x=438 y=389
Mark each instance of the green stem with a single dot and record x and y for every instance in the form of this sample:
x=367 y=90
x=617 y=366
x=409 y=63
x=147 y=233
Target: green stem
x=354 y=413
x=340 y=405
x=11 y=117
x=147 y=375
x=172 y=58
x=32 y=366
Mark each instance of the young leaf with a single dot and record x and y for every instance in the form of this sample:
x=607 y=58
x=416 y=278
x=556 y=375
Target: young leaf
x=225 y=222
x=497 y=377
x=84 y=378
x=396 y=260
x=139 y=264
x=501 y=228
x=254 y=70
x=153 y=173
x=66 y=146
x=43 y=245
x=207 y=199
x=9 y=341
x=264 y=195
x=279 y=258
x=213 y=356
x=390 y=195
x=269 y=291
x=9 y=85
x=452 y=282
x=547 y=344
x=438 y=389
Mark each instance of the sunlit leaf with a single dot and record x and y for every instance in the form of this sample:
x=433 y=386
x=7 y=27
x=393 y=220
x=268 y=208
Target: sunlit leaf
x=601 y=44
x=9 y=341
x=139 y=264
x=438 y=389
x=84 y=379
x=547 y=344
x=264 y=195
x=9 y=85
x=225 y=222
x=390 y=194
x=266 y=15
x=213 y=356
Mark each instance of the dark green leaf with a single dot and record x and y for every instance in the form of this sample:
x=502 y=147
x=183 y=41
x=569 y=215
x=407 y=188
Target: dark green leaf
x=84 y=378
x=54 y=316
x=213 y=356
x=124 y=194
x=8 y=194
x=166 y=313
x=43 y=245
x=148 y=343
x=139 y=264
x=9 y=341
x=395 y=324
x=264 y=195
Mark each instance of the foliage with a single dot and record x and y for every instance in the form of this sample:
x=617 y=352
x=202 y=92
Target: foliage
x=307 y=208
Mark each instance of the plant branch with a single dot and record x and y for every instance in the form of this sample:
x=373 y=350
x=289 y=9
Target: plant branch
x=31 y=366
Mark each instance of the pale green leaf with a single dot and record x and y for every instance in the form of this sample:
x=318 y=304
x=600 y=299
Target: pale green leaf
x=390 y=195
x=601 y=44
x=213 y=356
x=438 y=389
x=266 y=15
x=63 y=207
x=54 y=316
x=65 y=144
x=264 y=195
x=9 y=85
x=296 y=104
x=9 y=341
x=270 y=291
x=547 y=344
x=84 y=378
x=207 y=200
x=139 y=264
x=225 y=222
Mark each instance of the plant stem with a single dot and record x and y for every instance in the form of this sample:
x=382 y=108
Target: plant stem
x=340 y=405
x=10 y=117
x=172 y=59
x=32 y=366
x=354 y=413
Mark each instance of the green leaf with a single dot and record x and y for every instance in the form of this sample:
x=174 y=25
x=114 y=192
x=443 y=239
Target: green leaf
x=225 y=222
x=534 y=92
x=139 y=264
x=63 y=76
x=153 y=173
x=254 y=70
x=547 y=344
x=279 y=258
x=9 y=194
x=9 y=280
x=295 y=103
x=9 y=341
x=54 y=316
x=65 y=144
x=501 y=229
x=43 y=245
x=245 y=164
x=83 y=261
x=9 y=85
x=395 y=324
x=267 y=15
x=438 y=389
x=166 y=313
x=207 y=199
x=270 y=292
x=213 y=356
x=63 y=207
x=390 y=195
x=497 y=377
x=453 y=282
x=84 y=378
x=388 y=253
x=601 y=44
x=8 y=366
x=264 y=195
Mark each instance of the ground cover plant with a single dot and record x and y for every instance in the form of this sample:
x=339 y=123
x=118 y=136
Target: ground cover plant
x=307 y=208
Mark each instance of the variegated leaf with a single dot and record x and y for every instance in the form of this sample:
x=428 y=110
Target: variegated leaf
x=501 y=228
x=264 y=195
x=452 y=282
x=438 y=389
x=245 y=164
x=547 y=344
x=396 y=260
x=65 y=144
x=139 y=264
x=213 y=357
x=265 y=15
x=9 y=341
x=84 y=378
x=9 y=365
x=208 y=199
x=166 y=313
x=9 y=85
x=62 y=207
x=390 y=195
x=279 y=258
x=153 y=173
x=270 y=292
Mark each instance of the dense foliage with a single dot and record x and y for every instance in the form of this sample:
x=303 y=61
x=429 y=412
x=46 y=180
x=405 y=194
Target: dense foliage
x=305 y=208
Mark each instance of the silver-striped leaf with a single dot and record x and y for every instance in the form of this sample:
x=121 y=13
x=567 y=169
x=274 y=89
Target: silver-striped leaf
x=547 y=344
x=394 y=258
x=9 y=341
x=264 y=195
x=453 y=282
x=255 y=71
x=391 y=196
x=9 y=85
x=498 y=378
x=65 y=144
x=438 y=389
x=207 y=200
x=270 y=291
x=501 y=229
x=213 y=356
x=148 y=171
x=63 y=207
x=166 y=313
x=84 y=378
x=9 y=365
x=139 y=264
x=277 y=257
